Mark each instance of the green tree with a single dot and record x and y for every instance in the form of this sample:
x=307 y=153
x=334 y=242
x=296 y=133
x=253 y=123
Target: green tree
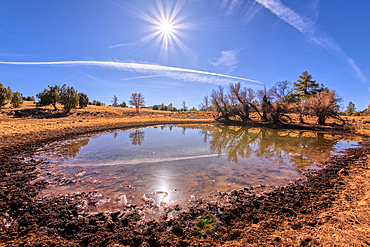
x=83 y=100
x=163 y=107
x=30 y=98
x=351 y=109
x=123 y=104
x=17 y=100
x=51 y=96
x=5 y=95
x=305 y=87
x=69 y=98
x=155 y=107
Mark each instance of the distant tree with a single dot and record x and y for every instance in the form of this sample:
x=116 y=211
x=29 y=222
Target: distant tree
x=137 y=100
x=193 y=109
x=351 y=109
x=83 y=100
x=155 y=107
x=50 y=96
x=5 y=95
x=114 y=101
x=30 y=98
x=69 y=98
x=306 y=87
x=17 y=100
x=163 y=107
x=205 y=104
x=97 y=103
x=123 y=104
x=184 y=107
x=323 y=105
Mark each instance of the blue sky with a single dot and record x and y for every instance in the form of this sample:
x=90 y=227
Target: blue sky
x=174 y=51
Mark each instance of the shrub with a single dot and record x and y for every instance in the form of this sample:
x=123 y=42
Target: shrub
x=83 y=100
x=51 y=96
x=323 y=105
x=17 y=100
x=5 y=95
x=69 y=98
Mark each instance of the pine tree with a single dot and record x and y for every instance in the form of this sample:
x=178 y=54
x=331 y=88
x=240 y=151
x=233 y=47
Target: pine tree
x=306 y=87
x=5 y=95
x=83 y=100
x=17 y=100
x=50 y=96
x=351 y=109
x=69 y=98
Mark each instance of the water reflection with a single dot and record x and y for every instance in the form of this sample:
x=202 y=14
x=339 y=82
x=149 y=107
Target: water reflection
x=176 y=162
x=301 y=148
x=71 y=149
x=137 y=137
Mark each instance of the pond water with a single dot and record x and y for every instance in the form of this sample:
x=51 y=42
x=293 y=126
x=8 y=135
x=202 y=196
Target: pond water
x=173 y=163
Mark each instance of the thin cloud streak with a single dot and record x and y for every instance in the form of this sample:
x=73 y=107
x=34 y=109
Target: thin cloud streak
x=307 y=27
x=173 y=72
x=119 y=45
x=22 y=41
x=140 y=77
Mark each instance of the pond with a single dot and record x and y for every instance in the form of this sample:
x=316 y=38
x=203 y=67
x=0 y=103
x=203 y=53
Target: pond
x=171 y=164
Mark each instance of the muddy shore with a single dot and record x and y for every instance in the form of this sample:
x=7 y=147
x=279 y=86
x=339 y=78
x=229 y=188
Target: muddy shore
x=326 y=207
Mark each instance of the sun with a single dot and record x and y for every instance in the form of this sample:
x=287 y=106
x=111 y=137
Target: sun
x=166 y=27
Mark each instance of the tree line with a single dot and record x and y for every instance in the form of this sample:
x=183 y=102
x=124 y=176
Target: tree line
x=64 y=95
x=307 y=97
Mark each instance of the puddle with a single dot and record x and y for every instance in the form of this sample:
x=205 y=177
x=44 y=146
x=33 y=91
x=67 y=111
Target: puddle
x=171 y=164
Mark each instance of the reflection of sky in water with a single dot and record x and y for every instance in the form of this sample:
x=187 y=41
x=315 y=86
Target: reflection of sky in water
x=190 y=161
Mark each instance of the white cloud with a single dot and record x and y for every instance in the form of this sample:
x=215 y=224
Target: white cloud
x=153 y=69
x=228 y=61
x=307 y=27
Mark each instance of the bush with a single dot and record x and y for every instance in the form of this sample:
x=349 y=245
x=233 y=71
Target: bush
x=51 y=96
x=83 y=100
x=69 y=98
x=5 y=95
x=30 y=98
x=323 y=105
x=123 y=104
x=17 y=100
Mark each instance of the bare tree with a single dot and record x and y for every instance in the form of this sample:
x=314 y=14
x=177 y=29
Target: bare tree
x=184 y=107
x=324 y=105
x=221 y=103
x=137 y=100
x=205 y=104
x=115 y=101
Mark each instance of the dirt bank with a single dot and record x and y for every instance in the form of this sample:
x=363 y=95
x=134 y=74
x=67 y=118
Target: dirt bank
x=327 y=207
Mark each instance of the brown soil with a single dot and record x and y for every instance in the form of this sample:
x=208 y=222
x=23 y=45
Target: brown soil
x=328 y=207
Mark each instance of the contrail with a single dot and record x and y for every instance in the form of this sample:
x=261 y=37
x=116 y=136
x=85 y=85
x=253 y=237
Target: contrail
x=174 y=72
x=307 y=27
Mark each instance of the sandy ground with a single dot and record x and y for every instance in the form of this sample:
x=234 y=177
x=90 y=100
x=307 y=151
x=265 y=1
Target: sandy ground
x=329 y=207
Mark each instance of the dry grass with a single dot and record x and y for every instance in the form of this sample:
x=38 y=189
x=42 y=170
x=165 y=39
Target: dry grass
x=90 y=116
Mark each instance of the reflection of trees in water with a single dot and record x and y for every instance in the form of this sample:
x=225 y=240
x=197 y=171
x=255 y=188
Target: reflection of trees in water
x=300 y=148
x=70 y=150
x=137 y=137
